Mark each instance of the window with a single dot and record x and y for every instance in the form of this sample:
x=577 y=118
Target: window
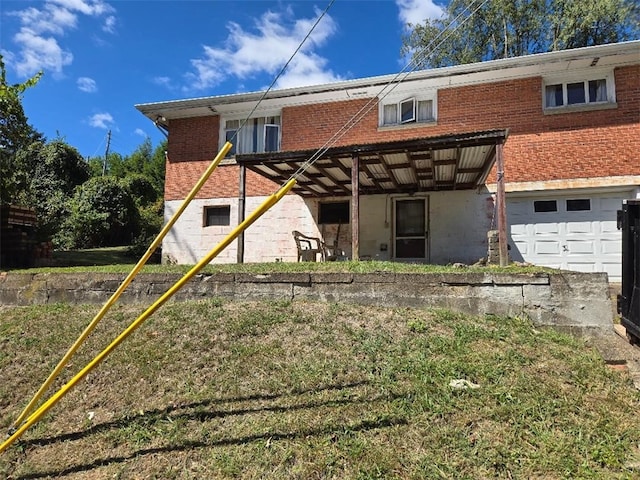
x=542 y=206
x=578 y=92
x=333 y=212
x=258 y=135
x=410 y=110
x=219 y=215
x=578 y=205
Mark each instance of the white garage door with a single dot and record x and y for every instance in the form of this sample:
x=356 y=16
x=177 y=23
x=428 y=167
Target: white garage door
x=577 y=232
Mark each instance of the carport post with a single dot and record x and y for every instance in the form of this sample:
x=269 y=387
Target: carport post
x=355 y=207
x=502 y=209
x=242 y=187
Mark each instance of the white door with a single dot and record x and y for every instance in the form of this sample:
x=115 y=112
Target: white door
x=571 y=232
x=410 y=229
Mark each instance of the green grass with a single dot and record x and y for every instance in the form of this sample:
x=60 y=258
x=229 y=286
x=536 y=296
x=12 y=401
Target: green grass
x=94 y=257
x=217 y=389
x=118 y=260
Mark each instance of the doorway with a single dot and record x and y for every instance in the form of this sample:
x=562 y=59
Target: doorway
x=411 y=231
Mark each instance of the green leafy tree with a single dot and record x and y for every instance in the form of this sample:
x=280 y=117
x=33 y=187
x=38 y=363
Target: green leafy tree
x=145 y=160
x=55 y=170
x=102 y=213
x=15 y=133
x=141 y=174
x=155 y=168
x=511 y=28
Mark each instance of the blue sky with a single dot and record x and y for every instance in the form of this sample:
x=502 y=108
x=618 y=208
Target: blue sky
x=101 y=58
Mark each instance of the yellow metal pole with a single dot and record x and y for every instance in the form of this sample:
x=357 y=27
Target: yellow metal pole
x=125 y=283
x=46 y=406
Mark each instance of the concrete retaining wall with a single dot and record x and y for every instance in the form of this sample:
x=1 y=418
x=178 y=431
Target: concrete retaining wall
x=571 y=301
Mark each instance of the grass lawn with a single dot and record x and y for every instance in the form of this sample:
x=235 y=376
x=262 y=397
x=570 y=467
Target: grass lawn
x=93 y=257
x=119 y=260
x=215 y=389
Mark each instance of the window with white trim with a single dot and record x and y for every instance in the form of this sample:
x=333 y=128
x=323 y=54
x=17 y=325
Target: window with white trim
x=592 y=90
x=409 y=110
x=258 y=135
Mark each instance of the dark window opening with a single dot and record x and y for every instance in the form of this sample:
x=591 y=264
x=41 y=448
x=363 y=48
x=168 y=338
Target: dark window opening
x=217 y=215
x=333 y=212
x=578 y=205
x=541 y=206
x=575 y=93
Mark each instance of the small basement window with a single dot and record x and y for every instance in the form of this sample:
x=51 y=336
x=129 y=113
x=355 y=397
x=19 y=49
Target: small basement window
x=578 y=205
x=333 y=212
x=218 y=215
x=542 y=206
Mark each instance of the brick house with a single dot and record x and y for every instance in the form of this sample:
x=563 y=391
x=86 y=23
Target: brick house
x=414 y=179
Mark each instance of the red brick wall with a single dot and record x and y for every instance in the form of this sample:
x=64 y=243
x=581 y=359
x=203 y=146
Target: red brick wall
x=540 y=147
x=224 y=182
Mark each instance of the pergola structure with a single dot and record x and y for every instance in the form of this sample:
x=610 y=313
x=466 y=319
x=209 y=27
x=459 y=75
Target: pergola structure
x=449 y=162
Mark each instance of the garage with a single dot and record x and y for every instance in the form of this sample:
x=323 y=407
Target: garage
x=570 y=232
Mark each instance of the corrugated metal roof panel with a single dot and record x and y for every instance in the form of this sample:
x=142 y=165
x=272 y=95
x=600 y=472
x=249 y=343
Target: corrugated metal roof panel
x=465 y=178
x=473 y=157
x=444 y=173
x=404 y=176
x=395 y=158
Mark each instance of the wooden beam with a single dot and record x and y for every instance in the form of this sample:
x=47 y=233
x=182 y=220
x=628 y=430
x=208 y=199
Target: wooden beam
x=242 y=181
x=355 y=208
x=448 y=161
x=372 y=177
x=502 y=209
x=455 y=168
x=386 y=168
x=433 y=171
x=412 y=165
x=328 y=175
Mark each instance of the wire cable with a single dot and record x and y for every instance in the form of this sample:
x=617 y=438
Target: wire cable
x=393 y=83
x=282 y=70
x=31 y=405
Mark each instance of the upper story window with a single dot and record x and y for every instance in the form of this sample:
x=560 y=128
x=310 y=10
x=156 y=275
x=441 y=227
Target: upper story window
x=592 y=91
x=410 y=110
x=258 y=135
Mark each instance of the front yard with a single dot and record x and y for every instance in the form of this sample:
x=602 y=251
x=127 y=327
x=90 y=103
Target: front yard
x=220 y=389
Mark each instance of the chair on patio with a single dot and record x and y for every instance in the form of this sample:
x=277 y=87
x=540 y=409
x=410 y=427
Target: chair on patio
x=308 y=247
x=332 y=252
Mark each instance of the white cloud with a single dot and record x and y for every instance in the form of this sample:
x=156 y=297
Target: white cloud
x=417 y=11
x=87 y=84
x=141 y=132
x=87 y=7
x=162 y=81
x=101 y=120
x=38 y=37
x=109 y=24
x=265 y=50
x=39 y=53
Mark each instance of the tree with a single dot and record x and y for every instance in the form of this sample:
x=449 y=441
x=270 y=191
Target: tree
x=15 y=133
x=55 y=169
x=511 y=28
x=102 y=213
x=144 y=160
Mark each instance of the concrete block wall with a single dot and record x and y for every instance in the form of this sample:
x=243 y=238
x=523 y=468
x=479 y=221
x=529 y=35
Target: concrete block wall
x=457 y=229
x=269 y=239
x=577 y=302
